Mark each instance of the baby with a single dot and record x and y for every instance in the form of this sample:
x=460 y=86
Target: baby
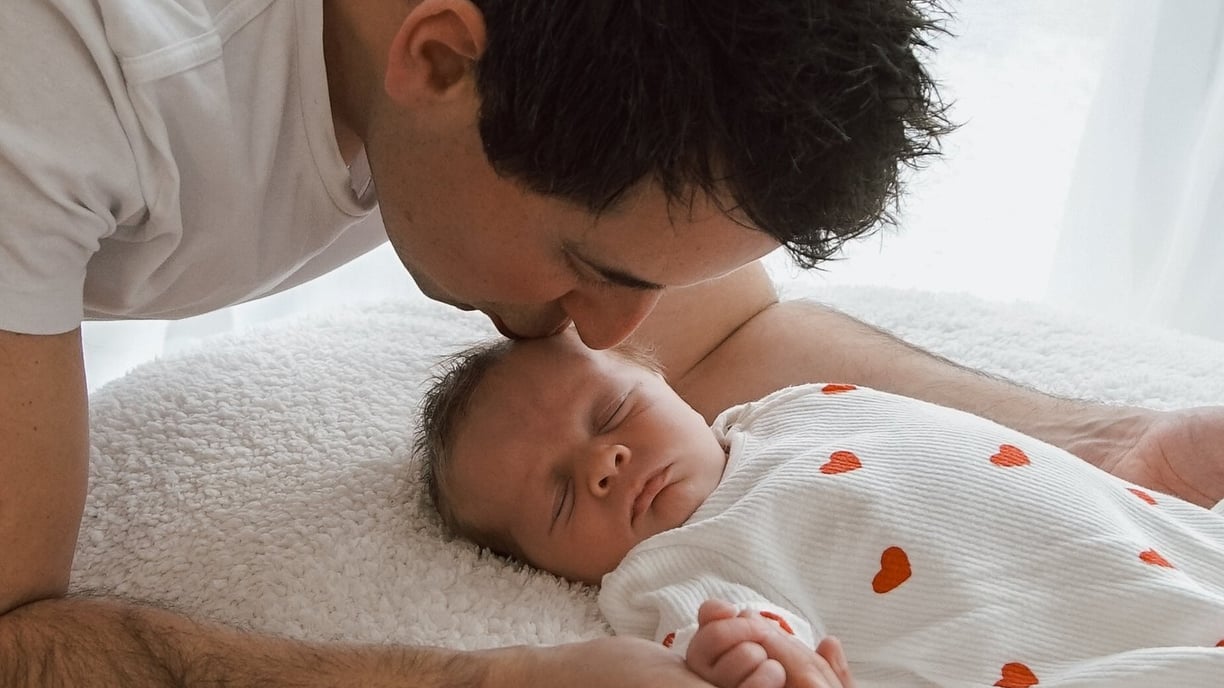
x=941 y=548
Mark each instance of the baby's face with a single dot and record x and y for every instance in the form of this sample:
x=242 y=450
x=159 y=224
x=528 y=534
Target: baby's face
x=579 y=455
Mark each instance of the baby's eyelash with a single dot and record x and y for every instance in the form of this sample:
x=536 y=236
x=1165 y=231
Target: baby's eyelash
x=607 y=423
x=617 y=408
x=560 y=502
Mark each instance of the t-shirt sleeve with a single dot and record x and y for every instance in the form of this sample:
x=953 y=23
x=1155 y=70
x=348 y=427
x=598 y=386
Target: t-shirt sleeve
x=67 y=175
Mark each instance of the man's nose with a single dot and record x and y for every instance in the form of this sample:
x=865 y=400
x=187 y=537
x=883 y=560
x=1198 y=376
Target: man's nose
x=606 y=316
x=606 y=463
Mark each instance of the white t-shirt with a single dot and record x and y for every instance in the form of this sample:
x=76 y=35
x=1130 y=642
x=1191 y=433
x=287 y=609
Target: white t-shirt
x=941 y=548
x=164 y=158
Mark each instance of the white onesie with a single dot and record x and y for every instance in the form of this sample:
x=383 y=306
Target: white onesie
x=941 y=548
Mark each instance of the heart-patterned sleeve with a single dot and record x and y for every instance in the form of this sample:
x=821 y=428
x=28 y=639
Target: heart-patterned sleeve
x=655 y=594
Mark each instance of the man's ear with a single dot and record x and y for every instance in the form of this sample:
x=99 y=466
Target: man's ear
x=434 y=52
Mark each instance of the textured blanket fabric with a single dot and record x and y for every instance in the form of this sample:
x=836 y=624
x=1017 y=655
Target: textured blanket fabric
x=267 y=480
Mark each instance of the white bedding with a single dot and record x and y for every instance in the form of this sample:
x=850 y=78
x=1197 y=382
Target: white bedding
x=266 y=481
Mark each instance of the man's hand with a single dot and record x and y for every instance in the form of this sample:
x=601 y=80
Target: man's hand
x=745 y=650
x=1176 y=452
x=620 y=662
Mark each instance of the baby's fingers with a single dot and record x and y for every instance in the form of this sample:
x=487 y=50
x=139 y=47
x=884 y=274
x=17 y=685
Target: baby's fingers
x=728 y=648
x=714 y=610
x=768 y=674
x=803 y=667
x=736 y=666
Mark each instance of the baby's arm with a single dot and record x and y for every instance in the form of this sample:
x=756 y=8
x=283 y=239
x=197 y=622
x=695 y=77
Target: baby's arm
x=752 y=649
x=682 y=595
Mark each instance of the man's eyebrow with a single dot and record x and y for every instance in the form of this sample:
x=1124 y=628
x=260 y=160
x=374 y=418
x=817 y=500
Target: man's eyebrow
x=614 y=275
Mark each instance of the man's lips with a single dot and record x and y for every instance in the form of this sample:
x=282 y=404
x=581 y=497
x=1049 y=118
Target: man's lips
x=505 y=330
x=651 y=489
x=501 y=327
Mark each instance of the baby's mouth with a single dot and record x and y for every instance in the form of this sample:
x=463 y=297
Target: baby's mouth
x=650 y=489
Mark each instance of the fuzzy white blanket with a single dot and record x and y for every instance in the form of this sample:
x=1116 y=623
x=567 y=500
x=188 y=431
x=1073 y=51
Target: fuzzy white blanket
x=266 y=481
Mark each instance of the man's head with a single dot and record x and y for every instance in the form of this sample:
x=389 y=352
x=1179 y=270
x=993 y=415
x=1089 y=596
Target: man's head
x=560 y=456
x=565 y=159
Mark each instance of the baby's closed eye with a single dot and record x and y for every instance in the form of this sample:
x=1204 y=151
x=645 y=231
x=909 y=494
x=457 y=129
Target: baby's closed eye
x=564 y=496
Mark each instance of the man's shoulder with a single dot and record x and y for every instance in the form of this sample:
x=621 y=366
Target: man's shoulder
x=154 y=39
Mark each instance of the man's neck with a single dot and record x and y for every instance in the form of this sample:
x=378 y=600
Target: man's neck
x=348 y=75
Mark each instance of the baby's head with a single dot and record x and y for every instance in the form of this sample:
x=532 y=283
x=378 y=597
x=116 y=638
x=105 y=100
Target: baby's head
x=560 y=456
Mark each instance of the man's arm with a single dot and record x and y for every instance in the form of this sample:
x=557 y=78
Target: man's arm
x=99 y=643
x=44 y=457
x=82 y=642
x=730 y=340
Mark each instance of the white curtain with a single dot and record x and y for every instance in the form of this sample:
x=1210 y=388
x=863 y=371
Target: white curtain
x=1143 y=232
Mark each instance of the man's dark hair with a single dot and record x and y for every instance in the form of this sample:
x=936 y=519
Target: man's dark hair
x=796 y=115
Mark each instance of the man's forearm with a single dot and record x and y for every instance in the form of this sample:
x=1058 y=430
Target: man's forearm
x=91 y=642
x=808 y=342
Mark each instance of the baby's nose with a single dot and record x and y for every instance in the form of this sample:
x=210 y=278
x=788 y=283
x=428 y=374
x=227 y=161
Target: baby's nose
x=606 y=465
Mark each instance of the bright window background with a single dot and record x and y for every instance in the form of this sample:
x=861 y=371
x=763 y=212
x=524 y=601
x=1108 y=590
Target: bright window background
x=983 y=220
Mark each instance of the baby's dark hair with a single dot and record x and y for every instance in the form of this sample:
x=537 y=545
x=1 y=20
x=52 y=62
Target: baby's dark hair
x=797 y=116
x=443 y=408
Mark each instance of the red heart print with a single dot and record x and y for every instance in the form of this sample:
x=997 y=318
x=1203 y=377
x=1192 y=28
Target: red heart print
x=841 y=462
x=1142 y=495
x=669 y=639
x=1010 y=456
x=1221 y=643
x=1149 y=556
x=777 y=618
x=894 y=570
x=1016 y=675
x=837 y=389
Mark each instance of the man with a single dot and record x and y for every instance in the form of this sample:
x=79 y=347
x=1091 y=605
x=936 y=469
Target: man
x=544 y=162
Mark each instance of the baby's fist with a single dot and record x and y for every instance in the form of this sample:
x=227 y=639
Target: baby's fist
x=748 y=649
x=726 y=650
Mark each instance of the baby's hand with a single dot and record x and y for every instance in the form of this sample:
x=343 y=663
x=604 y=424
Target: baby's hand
x=746 y=650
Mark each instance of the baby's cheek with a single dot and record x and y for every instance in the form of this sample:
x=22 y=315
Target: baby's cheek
x=614 y=549
x=676 y=506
